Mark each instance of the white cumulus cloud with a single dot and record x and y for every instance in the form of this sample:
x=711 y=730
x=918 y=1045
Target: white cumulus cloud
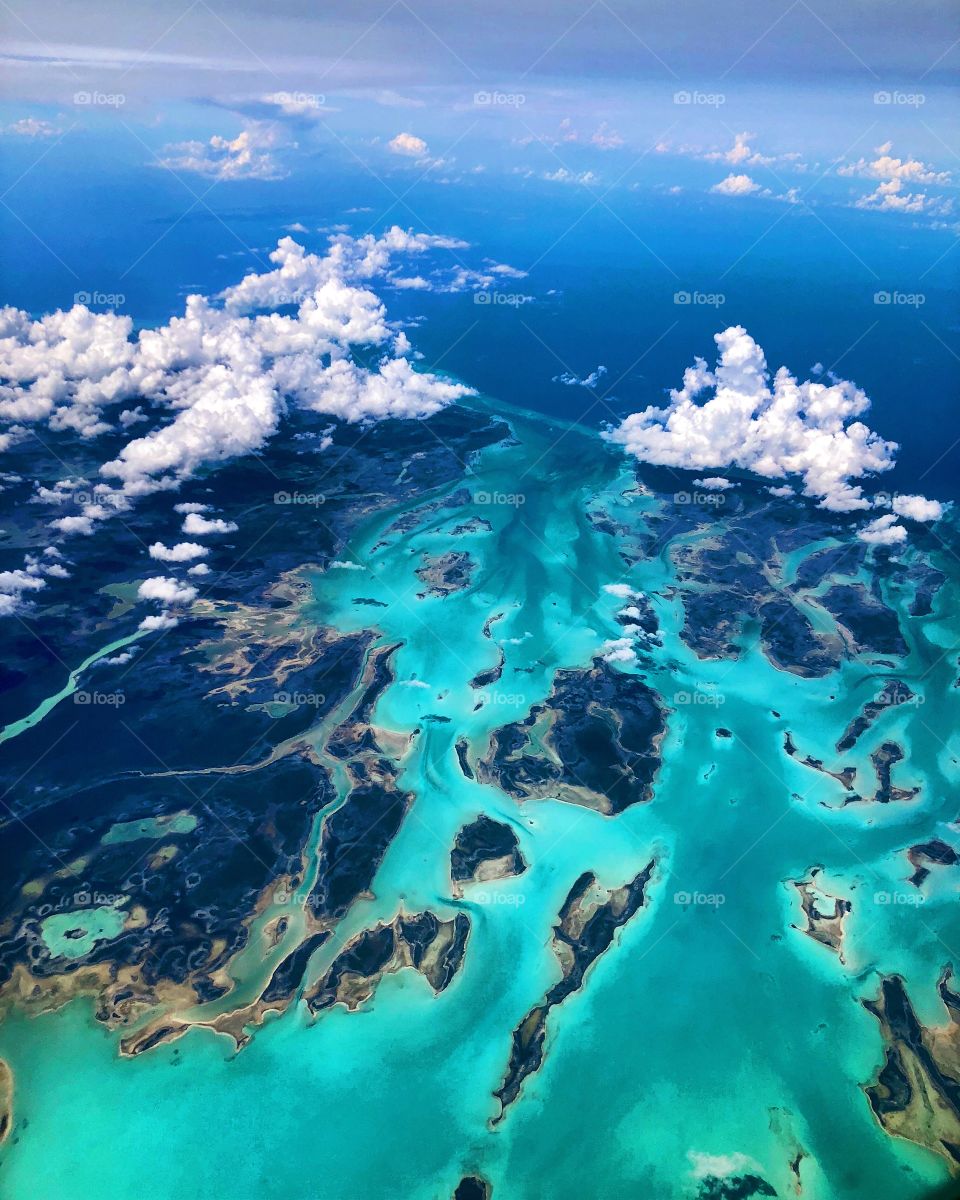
x=714 y=483
x=181 y=552
x=884 y=531
x=917 y=508
x=220 y=378
x=166 y=590
x=199 y=525
x=409 y=145
x=250 y=155
x=735 y=185
x=736 y=415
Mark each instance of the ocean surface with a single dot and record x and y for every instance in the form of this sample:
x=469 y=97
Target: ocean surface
x=713 y=1038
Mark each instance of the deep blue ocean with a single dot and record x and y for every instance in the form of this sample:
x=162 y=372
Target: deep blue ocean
x=604 y=268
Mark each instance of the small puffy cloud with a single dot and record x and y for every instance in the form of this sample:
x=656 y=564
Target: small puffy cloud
x=884 y=531
x=181 y=552
x=166 y=590
x=506 y=271
x=161 y=621
x=736 y=415
x=917 y=508
x=74 y=524
x=190 y=506
x=409 y=145
x=740 y=154
x=340 y=564
x=410 y=283
x=118 y=660
x=247 y=156
x=200 y=525
x=782 y=493
x=618 y=650
x=589 y=381
x=735 y=185
x=714 y=483
x=199 y=569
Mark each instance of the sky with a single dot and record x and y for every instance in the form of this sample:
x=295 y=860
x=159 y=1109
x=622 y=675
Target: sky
x=563 y=206
x=173 y=48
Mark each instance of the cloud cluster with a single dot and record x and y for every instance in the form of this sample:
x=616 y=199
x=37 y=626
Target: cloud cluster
x=896 y=177
x=589 y=381
x=887 y=531
x=737 y=416
x=884 y=531
x=227 y=370
x=250 y=155
x=31 y=127
x=216 y=382
x=623 y=649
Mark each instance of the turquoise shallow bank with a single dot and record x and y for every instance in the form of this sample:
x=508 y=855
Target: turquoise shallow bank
x=770 y=1010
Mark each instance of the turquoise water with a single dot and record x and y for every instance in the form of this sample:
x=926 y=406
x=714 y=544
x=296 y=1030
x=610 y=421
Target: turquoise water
x=712 y=1037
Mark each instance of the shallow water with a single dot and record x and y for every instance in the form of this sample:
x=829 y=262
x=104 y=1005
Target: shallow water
x=711 y=1030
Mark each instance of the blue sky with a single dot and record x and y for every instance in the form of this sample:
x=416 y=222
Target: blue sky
x=623 y=184
x=849 y=106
